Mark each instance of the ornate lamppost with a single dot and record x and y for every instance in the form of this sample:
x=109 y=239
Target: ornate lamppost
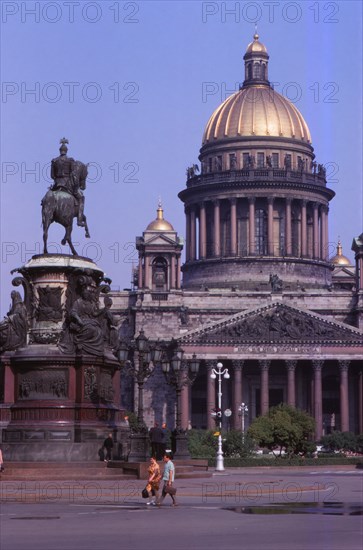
x=219 y=372
x=148 y=356
x=179 y=373
x=243 y=409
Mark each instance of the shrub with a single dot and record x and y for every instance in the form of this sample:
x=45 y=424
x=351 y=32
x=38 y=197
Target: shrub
x=202 y=443
x=236 y=447
x=342 y=441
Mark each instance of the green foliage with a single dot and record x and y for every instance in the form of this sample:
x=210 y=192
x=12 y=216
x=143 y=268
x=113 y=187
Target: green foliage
x=342 y=441
x=236 y=447
x=284 y=427
x=202 y=443
x=322 y=460
x=135 y=427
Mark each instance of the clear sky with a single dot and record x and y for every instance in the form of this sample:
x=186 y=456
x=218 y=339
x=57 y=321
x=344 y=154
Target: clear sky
x=132 y=85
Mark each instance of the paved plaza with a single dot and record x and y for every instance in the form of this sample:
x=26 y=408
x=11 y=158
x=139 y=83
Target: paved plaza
x=251 y=508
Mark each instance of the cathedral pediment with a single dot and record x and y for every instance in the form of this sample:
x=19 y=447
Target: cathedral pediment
x=275 y=323
x=159 y=239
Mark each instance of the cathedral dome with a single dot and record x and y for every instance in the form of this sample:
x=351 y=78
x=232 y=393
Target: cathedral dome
x=256 y=111
x=159 y=224
x=339 y=258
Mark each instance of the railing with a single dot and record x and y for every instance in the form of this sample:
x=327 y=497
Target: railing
x=247 y=175
x=159 y=296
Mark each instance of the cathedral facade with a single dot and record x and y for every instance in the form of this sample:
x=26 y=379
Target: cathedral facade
x=257 y=291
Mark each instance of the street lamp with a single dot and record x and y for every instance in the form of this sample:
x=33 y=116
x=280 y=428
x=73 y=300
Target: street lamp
x=179 y=373
x=147 y=353
x=219 y=372
x=243 y=409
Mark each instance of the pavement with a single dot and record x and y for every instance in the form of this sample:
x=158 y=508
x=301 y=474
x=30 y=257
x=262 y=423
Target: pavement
x=295 y=508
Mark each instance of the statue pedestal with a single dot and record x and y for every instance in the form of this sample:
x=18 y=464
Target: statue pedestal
x=61 y=404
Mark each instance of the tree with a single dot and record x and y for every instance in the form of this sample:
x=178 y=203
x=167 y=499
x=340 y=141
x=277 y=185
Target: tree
x=341 y=441
x=284 y=427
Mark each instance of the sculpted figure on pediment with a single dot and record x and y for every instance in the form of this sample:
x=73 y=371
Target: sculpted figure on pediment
x=278 y=324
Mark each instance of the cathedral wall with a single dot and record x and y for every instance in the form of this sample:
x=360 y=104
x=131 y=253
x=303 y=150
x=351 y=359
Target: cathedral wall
x=252 y=274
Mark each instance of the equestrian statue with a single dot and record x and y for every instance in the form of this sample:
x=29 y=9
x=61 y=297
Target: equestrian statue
x=65 y=200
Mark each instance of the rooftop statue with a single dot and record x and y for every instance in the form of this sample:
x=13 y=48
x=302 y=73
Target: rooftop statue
x=64 y=199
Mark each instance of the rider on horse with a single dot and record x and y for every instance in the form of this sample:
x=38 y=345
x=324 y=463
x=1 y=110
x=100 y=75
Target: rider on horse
x=64 y=176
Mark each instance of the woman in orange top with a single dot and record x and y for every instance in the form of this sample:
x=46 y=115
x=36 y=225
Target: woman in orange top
x=153 y=481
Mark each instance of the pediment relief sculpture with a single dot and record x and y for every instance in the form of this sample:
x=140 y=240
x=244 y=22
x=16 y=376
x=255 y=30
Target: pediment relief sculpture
x=275 y=324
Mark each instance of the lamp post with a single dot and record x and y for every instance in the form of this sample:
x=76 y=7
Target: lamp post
x=147 y=353
x=219 y=372
x=179 y=373
x=243 y=409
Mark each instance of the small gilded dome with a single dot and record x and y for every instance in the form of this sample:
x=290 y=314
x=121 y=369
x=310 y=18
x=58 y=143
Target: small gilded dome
x=256 y=111
x=339 y=259
x=256 y=46
x=160 y=224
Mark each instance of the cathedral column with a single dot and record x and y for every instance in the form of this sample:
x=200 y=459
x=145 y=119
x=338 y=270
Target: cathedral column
x=237 y=392
x=202 y=232
x=360 y=401
x=139 y=277
x=270 y=226
x=184 y=404
x=303 y=229
x=344 y=407
x=316 y=243
x=288 y=226
x=211 y=396
x=217 y=228
x=318 y=398
x=147 y=282
x=178 y=272
x=233 y=227
x=172 y=272
x=264 y=392
x=324 y=235
x=291 y=391
x=187 y=235
x=251 y=226
x=192 y=234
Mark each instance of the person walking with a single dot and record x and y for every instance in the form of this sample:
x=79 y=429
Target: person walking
x=2 y=462
x=153 y=481
x=168 y=479
x=108 y=445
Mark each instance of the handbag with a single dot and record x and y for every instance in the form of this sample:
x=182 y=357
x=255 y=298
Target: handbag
x=144 y=493
x=169 y=490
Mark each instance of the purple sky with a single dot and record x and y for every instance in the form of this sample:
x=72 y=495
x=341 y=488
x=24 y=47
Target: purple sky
x=126 y=83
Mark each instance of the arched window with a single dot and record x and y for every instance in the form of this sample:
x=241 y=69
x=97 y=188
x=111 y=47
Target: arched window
x=256 y=70
x=160 y=274
x=261 y=232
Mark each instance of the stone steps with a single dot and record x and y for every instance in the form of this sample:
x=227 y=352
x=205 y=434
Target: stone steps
x=113 y=470
x=26 y=471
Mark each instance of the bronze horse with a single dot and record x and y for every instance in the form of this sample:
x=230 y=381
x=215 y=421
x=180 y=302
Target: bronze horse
x=61 y=206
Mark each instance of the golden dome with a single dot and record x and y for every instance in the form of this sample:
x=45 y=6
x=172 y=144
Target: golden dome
x=160 y=224
x=339 y=259
x=256 y=111
x=256 y=46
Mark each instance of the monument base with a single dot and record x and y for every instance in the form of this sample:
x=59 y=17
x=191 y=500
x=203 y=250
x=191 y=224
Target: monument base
x=62 y=389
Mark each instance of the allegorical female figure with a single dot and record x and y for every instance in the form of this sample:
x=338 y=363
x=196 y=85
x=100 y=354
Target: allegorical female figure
x=13 y=329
